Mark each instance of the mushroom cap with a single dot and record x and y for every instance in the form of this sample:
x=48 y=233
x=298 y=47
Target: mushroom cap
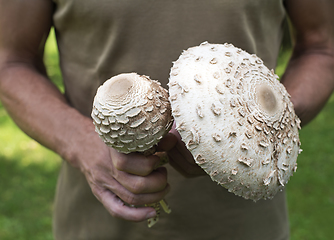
x=132 y=113
x=236 y=119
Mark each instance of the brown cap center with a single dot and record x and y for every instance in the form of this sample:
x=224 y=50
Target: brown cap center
x=119 y=87
x=266 y=99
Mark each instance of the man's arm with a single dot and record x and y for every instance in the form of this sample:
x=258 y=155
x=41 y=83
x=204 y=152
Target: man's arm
x=41 y=111
x=309 y=77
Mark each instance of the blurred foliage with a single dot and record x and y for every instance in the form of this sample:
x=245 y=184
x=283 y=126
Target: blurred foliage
x=28 y=174
x=310 y=190
x=51 y=60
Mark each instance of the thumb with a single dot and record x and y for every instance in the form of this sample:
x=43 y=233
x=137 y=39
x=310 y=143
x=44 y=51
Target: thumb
x=167 y=143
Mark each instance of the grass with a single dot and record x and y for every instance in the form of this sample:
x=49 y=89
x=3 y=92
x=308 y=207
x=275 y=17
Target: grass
x=28 y=175
x=310 y=191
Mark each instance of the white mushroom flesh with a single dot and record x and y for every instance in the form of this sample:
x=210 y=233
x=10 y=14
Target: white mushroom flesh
x=236 y=119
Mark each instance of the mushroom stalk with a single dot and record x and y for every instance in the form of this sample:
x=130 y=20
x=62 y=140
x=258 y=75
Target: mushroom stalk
x=132 y=113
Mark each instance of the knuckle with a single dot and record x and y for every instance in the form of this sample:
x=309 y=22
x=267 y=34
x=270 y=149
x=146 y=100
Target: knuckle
x=160 y=177
x=120 y=164
x=147 y=170
x=132 y=199
x=138 y=186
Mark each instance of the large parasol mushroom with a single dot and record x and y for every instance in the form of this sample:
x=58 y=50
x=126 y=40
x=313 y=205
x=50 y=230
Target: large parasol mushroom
x=236 y=119
x=132 y=113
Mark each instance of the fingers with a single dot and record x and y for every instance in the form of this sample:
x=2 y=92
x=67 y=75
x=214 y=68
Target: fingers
x=180 y=158
x=184 y=164
x=168 y=142
x=156 y=181
x=117 y=208
x=112 y=194
x=136 y=199
x=173 y=143
x=137 y=174
x=117 y=178
x=139 y=199
x=134 y=163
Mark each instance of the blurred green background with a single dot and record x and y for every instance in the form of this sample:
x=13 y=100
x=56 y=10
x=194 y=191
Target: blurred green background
x=28 y=175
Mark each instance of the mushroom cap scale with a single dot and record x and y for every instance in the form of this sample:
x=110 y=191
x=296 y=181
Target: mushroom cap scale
x=131 y=113
x=236 y=119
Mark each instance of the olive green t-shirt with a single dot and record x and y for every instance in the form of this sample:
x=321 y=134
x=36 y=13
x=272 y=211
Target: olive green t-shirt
x=100 y=39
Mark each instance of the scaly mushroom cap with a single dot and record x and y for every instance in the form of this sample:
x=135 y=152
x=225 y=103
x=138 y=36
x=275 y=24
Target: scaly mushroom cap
x=236 y=119
x=131 y=113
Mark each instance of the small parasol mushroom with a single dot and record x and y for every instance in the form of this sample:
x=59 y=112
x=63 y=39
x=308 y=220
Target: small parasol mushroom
x=236 y=119
x=132 y=113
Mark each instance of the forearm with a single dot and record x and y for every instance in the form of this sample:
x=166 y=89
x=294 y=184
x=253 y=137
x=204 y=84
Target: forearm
x=309 y=78
x=40 y=110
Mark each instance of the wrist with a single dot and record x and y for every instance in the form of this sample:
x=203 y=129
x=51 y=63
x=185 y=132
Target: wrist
x=79 y=138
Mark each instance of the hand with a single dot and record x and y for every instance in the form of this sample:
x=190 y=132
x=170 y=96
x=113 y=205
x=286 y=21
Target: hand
x=116 y=179
x=180 y=158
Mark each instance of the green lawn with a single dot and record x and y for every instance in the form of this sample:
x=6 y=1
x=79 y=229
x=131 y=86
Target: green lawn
x=28 y=175
x=310 y=190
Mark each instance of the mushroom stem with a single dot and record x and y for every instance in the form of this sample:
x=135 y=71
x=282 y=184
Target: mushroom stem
x=152 y=221
x=165 y=206
x=132 y=113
